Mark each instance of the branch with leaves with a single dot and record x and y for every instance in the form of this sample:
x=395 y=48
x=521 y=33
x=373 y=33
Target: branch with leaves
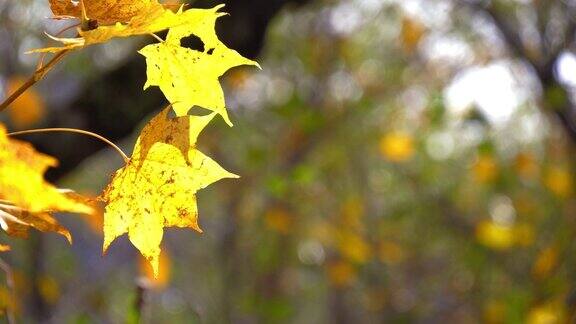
x=156 y=187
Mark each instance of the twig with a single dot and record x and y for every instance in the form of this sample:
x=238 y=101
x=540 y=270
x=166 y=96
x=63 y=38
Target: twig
x=74 y=130
x=157 y=37
x=43 y=56
x=37 y=76
x=544 y=68
x=142 y=286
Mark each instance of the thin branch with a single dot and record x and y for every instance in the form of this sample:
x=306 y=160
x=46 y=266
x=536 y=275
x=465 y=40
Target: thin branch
x=544 y=68
x=142 y=287
x=37 y=76
x=157 y=37
x=73 y=130
x=507 y=31
x=43 y=56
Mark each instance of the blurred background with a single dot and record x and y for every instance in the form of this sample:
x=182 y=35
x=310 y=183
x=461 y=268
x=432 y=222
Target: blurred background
x=402 y=161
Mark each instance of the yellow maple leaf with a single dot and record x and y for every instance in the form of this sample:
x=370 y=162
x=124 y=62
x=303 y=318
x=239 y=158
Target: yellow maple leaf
x=22 y=182
x=103 y=11
x=147 y=20
x=189 y=77
x=162 y=279
x=157 y=187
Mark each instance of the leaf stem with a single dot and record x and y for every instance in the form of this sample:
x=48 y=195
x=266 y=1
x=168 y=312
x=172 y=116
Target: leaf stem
x=41 y=60
x=37 y=76
x=73 y=130
x=157 y=37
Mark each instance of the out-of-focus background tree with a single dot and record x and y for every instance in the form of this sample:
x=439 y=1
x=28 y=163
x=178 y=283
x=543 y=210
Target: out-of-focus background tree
x=402 y=161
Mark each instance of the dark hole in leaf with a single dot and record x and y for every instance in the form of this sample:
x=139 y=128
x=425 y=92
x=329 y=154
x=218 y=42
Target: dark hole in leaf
x=193 y=42
x=198 y=111
x=210 y=51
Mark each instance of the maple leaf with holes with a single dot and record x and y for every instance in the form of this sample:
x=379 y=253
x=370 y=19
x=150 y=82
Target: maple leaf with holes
x=190 y=77
x=157 y=187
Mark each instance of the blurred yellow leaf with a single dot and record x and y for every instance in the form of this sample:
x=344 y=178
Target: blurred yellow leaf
x=495 y=312
x=157 y=187
x=341 y=274
x=545 y=262
x=49 y=289
x=503 y=237
x=4 y=248
x=354 y=247
x=279 y=220
x=352 y=212
x=412 y=32
x=524 y=234
x=165 y=269
x=29 y=108
x=495 y=236
x=322 y=231
x=526 y=165
x=22 y=182
x=559 y=181
x=550 y=313
x=391 y=253
x=485 y=169
x=238 y=78
x=397 y=146
x=7 y=300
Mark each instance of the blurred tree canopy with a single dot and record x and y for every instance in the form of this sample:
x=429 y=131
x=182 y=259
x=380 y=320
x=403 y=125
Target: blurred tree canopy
x=402 y=161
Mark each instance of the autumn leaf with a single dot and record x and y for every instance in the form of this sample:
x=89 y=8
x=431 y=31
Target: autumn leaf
x=148 y=20
x=162 y=279
x=22 y=182
x=16 y=223
x=397 y=146
x=189 y=77
x=411 y=33
x=105 y=12
x=4 y=248
x=157 y=187
x=29 y=108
